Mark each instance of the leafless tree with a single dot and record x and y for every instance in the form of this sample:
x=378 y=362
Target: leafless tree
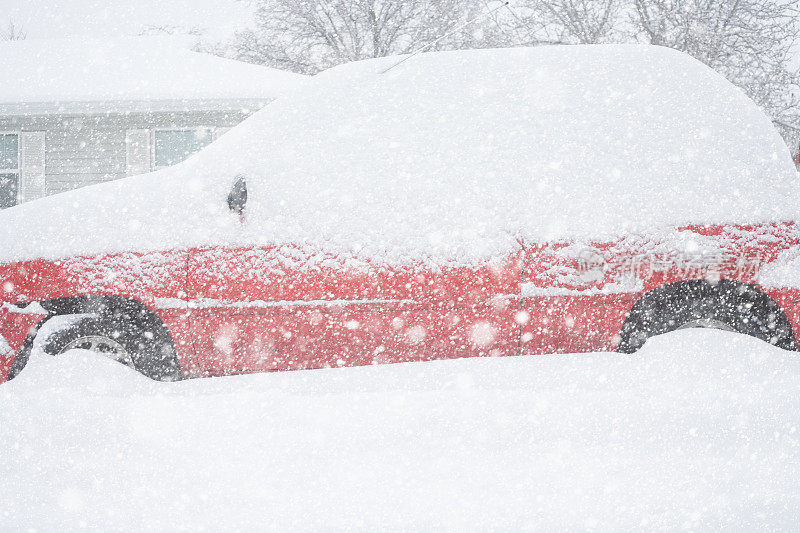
x=532 y=22
x=171 y=29
x=195 y=34
x=309 y=35
x=12 y=33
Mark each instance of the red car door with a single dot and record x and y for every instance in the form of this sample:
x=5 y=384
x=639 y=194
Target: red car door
x=569 y=304
x=285 y=307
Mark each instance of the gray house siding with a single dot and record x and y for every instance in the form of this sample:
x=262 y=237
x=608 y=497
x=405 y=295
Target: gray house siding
x=81 y=150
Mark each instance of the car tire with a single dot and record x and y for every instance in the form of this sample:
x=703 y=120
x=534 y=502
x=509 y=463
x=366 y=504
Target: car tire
x=124 y=341
x=723 y=305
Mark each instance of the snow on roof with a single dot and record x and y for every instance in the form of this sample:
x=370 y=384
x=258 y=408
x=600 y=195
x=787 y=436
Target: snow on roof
x=90 y=74
x=452 y=156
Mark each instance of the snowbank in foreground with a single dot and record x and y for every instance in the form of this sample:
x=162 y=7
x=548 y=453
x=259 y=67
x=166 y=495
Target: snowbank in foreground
x=697 y=431
x=451 y=156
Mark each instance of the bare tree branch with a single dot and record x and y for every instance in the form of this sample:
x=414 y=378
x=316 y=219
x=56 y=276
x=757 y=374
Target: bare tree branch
x=310 y=35
x=12 y=32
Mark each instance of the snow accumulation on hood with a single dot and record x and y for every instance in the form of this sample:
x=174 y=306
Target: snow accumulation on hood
x=65 y=71
x=451 y=156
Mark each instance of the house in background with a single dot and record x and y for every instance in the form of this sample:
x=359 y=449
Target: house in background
x=78 y=112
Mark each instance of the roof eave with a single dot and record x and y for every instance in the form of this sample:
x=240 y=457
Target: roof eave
x=121 y=107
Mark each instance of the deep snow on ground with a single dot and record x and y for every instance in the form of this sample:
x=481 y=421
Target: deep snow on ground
x=698 y=430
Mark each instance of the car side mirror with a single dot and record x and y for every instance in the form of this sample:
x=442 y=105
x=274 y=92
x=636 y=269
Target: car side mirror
x=237 y=198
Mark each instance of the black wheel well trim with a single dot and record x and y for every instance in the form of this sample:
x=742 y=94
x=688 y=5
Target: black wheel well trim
x=109 y=305
x=662 y=290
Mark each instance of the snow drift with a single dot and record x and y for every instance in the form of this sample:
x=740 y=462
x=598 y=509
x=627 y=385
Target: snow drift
x=451 y=156
x=698 y=431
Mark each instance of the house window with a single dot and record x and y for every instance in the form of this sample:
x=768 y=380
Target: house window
x=9 y=169
x=173 y=146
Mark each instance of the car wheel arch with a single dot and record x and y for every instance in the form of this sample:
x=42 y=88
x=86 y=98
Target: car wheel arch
x=734 y=291
x=108 y=305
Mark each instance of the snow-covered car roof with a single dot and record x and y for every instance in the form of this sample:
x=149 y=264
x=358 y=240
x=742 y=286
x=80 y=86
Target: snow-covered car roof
x=129 y=74
x=452 y=156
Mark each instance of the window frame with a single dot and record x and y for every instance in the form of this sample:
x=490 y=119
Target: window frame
x=16 y=171
x=210 y=129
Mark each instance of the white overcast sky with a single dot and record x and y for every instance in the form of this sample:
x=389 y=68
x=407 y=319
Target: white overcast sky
x=51 y=19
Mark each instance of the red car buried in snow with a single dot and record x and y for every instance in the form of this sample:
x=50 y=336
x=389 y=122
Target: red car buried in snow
x=477 y=203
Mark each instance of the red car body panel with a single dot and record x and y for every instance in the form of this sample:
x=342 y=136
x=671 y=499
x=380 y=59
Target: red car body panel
x=14 y=327
x=271 y=308
x=245 y=309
